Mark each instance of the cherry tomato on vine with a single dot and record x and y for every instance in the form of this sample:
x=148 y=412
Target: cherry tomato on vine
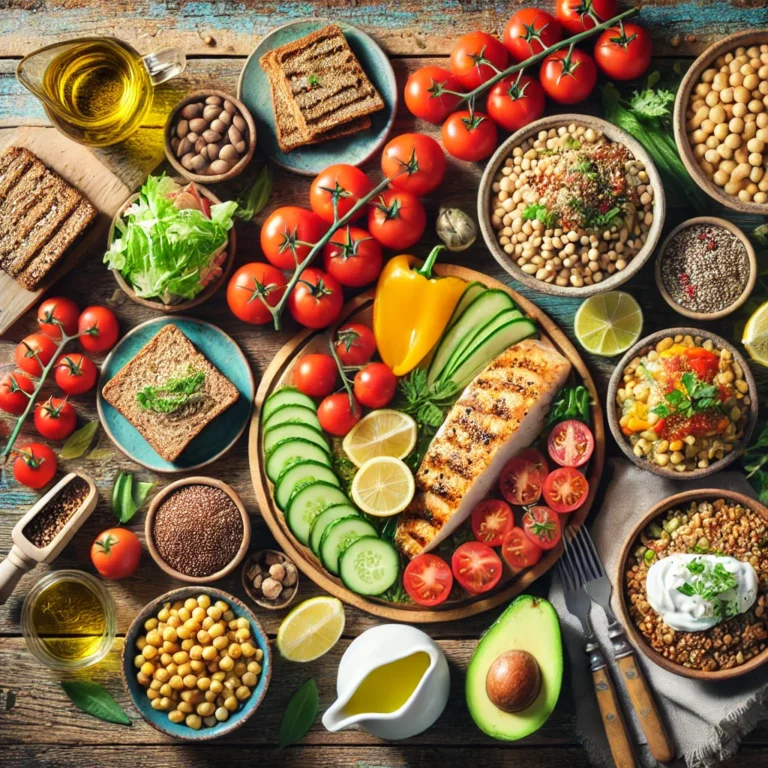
x=353 y=257
x=343 y=183
x=519 y=551
x=568 y=76
x=491 y=519
x=283 y=232
x=476 y=567
x=375 y=385
x=516 y=101
x=571 y=443
x=521 y=480
x=355 y=344
x=397 y=219
x=428 y=580
x=116 y=553
x=624 y=52
x=75 y=374
x=34 y=353
x=425 y=93
x=316 y=300
x=579 y=15
x=468 y=136
x=476 y=58
x=315 y=375
x=35 y=465
x=529 y=32
x=542 y=526
x=98 y=329
x=337 y=415
x=414 y=162
x=57 y=313
x=250 y=287
x=565 y=489
x=13 y=387
x=55 y=419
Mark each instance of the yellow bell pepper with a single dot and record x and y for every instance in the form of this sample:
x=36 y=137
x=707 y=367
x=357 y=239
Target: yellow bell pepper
x=411 y=309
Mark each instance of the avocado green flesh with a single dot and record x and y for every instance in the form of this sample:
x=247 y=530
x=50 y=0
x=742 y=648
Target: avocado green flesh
x=529 y=624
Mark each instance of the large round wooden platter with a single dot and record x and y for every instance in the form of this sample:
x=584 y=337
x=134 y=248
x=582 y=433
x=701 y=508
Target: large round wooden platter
x=279 y=373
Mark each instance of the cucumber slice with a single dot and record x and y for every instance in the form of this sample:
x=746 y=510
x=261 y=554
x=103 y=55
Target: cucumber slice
x=293 y=414
x=338 y=536
x=274 y=435
x=285 y=396
x=369 y=566
x=471 y=292
x=324 y=519
x=301 y=473
x=294 y=449
x=307 y=503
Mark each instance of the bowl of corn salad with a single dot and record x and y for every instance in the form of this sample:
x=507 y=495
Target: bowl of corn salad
x=682 y=403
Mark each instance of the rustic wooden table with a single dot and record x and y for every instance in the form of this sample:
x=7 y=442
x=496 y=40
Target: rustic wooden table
x=38 y=725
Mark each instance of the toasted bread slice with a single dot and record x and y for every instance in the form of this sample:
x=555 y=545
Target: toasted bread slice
x=14 y=163
x=170 y=355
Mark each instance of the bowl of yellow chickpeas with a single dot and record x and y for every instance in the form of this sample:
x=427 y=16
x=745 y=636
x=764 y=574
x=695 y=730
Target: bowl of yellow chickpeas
x=196 y=663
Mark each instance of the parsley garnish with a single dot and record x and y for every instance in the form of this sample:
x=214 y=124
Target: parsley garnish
x=710 y=583
x=538 y=212
x=697 y=397
x=313 y=81
x=172 y=395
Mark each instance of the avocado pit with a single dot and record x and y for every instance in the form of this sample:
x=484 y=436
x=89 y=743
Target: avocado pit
x=513 y=681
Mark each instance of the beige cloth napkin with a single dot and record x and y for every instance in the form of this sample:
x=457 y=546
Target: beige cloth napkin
x=707 y=720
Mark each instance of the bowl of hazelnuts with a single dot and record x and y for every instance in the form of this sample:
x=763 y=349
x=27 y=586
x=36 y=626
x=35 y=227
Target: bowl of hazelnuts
x=270 y=578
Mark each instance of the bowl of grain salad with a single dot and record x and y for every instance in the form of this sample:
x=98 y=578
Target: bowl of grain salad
x=571 y=205
x=693 y=584
x=682 y=403
x=721 y=121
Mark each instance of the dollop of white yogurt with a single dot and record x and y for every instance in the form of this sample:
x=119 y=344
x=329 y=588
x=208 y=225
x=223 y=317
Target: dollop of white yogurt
x=692 y=612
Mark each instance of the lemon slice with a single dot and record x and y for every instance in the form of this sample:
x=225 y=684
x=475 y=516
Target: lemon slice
x=311 y=629
x=383 y=486
x=381 y=433
x=608 y=323
x=755 y=337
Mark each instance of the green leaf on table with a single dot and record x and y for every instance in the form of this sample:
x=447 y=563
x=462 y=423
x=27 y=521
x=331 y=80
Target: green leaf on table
x=128 y=496
x=79 y=441
x=94 y=700
x=253 y=200
x=300 y=714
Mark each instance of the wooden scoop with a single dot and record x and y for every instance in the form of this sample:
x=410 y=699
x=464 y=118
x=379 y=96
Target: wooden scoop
x=24 y=555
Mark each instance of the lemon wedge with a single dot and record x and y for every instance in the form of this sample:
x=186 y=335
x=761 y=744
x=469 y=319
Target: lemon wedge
x=311 y=629
x=755 y=337
x=383 y=486
x=381 y=433
x=608 y=323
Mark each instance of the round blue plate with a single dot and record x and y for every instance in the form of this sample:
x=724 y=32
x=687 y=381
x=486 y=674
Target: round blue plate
x=254 y=91
x=220 y=435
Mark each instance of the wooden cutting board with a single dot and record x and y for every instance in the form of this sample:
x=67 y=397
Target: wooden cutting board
x=84 y=171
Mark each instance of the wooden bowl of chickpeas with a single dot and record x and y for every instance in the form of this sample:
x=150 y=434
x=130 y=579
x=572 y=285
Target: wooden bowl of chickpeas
x=721 y=121
x=196 y=663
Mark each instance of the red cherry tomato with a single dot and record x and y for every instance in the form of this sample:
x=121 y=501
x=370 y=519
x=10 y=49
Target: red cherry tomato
x=57 y=313
x=428 y=580
x=355 y=344
x=35 y=465
x=702 y=362
x=516 y=101
x=568 y=76
x=537 y=458
x=342 y=183
x=34 y=353
x=75 y=374
x=375 y=385
x=542 y=527
x=353 y=257
x=13 y=387
x=529 y=32
x=337 y=415
x=624 y=52
x=491 y=519
x=283 y=233
x=414 y=162
x=579 y=15
x=470 y=55
x=317 y=299
x=476 y=567
x=425 y=93
x=55 y=419
x=99 y=329
x=315 y=375
x=251 y=288
x=521 y=481
x=116 y=553
x=565 y=489
x=397 y=219
x=470 y=137
x=571 y=443
x=519 y=551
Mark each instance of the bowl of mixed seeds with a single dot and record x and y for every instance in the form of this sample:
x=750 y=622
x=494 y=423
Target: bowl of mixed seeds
x=682 y=403
x=571 y=206
x=693 y=584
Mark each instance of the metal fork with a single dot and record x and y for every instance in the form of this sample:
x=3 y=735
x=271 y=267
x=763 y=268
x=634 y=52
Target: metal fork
x=581 y=553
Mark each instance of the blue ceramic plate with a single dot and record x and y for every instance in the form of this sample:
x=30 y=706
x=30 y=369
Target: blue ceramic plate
x=138 y=692
x=220 y=435
x=254 y=91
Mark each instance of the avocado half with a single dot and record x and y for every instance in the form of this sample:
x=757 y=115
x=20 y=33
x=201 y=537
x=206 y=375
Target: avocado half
x=529 y=624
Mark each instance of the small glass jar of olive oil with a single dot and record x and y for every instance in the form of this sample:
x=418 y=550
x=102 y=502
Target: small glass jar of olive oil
x=68 y=620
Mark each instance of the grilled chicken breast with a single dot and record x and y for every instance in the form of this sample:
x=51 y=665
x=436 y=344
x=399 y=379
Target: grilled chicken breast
x=499 y=413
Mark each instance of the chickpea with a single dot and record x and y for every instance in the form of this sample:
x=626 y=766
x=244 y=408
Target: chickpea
x=194 y=721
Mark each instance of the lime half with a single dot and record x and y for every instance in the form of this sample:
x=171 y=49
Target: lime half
x=755 y=337
x=609 y=323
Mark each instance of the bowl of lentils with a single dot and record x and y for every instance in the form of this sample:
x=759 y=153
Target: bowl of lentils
x=571 y=206
x=706 y=268
x=197 y=530
x=682 y=403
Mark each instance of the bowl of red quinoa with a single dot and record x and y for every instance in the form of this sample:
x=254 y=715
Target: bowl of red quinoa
x=706 y=268
x=697 y=522
x=197 y=530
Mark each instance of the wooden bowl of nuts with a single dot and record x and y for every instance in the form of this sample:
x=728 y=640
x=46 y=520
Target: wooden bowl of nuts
x=270 y=578
x=721 y=121
x=210 y=137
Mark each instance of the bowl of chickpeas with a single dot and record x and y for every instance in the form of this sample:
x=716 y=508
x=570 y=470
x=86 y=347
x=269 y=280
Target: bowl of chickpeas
x=721 y=121
x=196 y=663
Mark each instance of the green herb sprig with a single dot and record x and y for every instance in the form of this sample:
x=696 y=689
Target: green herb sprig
x=710 y=584
x=172 y=395
x=571 y=403
x=538 y=212
x=697 y=398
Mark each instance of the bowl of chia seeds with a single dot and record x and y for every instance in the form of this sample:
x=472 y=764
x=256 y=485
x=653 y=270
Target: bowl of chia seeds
x=197 y=530
x=706 y=268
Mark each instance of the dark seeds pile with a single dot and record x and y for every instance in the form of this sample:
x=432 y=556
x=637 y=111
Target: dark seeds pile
x=43 y=528
x=705 y=268
x=198 y=530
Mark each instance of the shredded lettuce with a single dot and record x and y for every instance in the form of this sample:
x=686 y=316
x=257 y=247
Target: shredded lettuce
x=165 y=252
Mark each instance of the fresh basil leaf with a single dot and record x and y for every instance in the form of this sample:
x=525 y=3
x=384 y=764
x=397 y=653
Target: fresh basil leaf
x=299 y=714
x=253 y=200
x=127 y=496
x=674 y=397
x=79 y=441
x=92 y=699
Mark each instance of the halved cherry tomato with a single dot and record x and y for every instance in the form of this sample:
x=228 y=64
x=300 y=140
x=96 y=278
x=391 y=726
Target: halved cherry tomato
x=518 y=549
x=397 y=219
x=34 y=353
x=252 y=288
x=315 y=375
x=579 y=15
x=542 y=526
x=353 y=257
x=425 y=93
x=55 y=419
x=355 y=344
x=624 y=52
x=476 y=567
x=317 y=299
x=337 y=415
x=14 y=388
x=469 y=136
x=375 y=385
x=702 y=362
x=474 y=57
x=571 y=443
x=537 y=458
x=285 y=234
x=428 y=580
x=75 y=373
x=343 y=184
x=414 y=162
x=521 y=481
x=568 y=76
x=491 y=519
x=35 y=465
x=98 y=328
x=57 y=313
x=529 y=32
x=565 y=489
x=516 y=101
